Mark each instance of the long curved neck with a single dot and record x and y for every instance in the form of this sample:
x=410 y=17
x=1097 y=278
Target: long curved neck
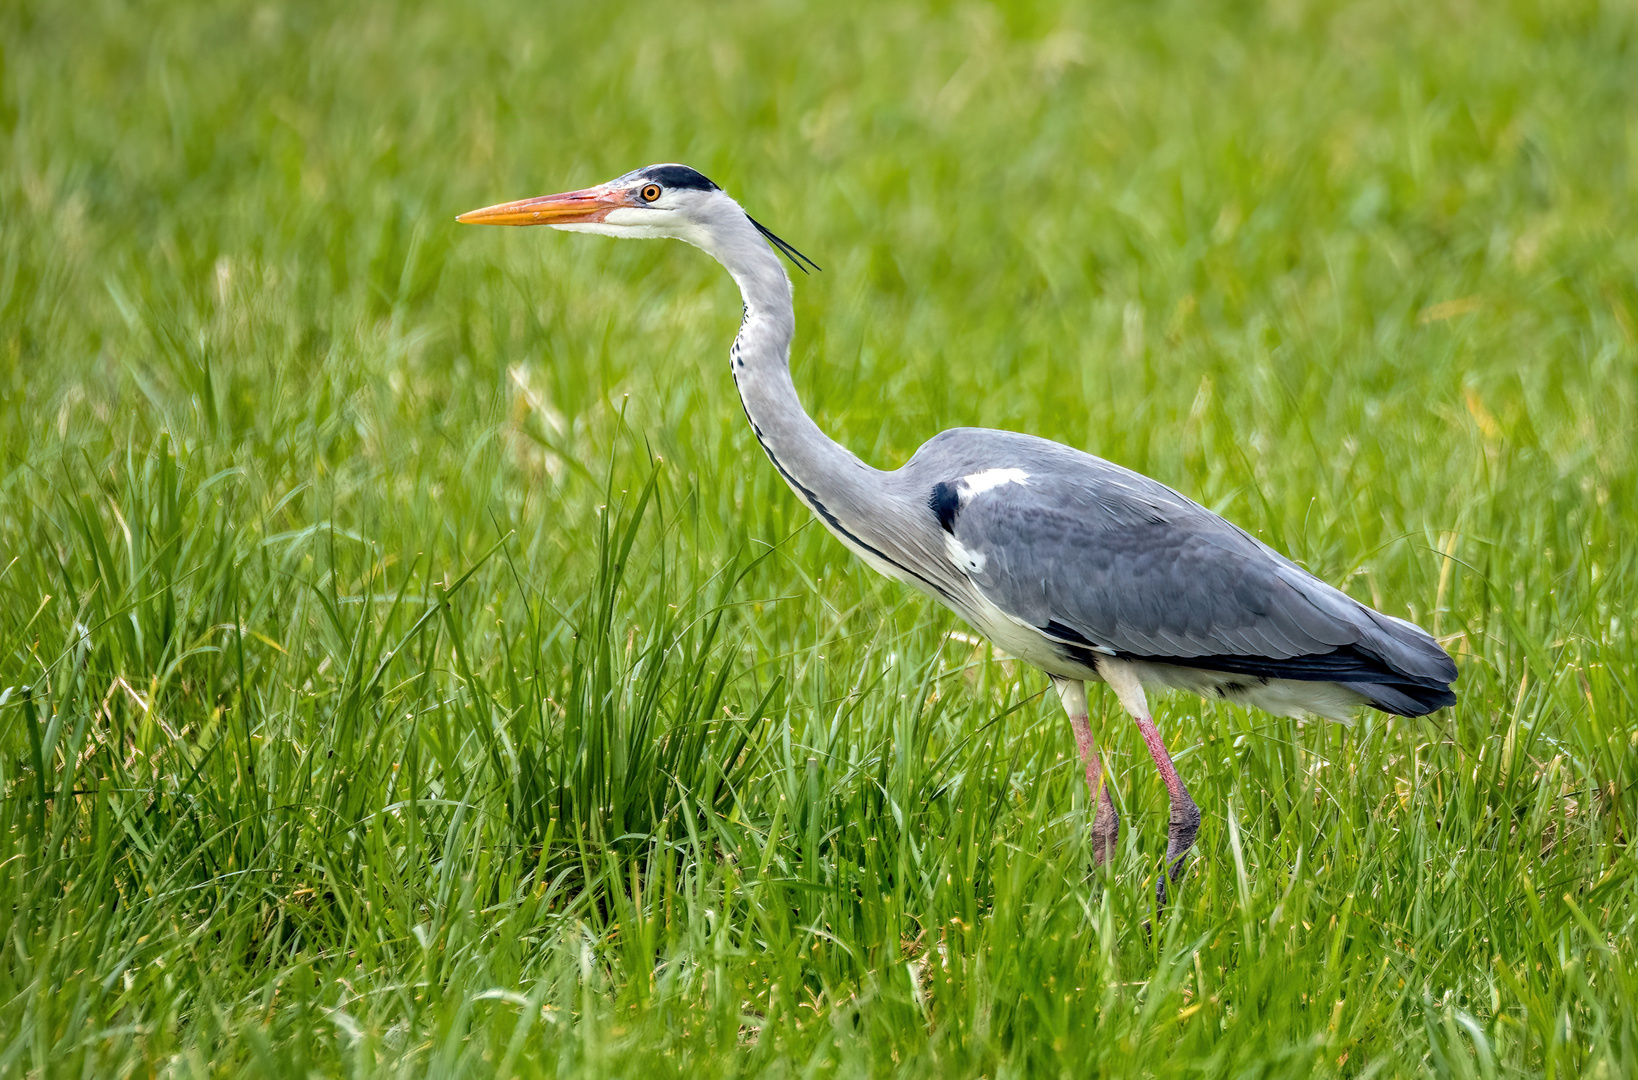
x=834 y=483
x=867 y=509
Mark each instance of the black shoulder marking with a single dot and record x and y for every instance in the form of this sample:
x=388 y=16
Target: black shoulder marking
x=945 y=501
x=679 y=176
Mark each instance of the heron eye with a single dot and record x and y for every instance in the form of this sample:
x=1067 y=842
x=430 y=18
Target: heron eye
x=651 y=192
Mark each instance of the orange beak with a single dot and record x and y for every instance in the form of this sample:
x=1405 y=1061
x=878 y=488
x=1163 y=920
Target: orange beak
x=571 y=207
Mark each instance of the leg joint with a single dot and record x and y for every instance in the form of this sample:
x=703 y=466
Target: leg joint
x=1106 y=822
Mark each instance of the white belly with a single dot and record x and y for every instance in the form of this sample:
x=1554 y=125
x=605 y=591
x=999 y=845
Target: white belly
x=1281 y=697
x=1020 y=640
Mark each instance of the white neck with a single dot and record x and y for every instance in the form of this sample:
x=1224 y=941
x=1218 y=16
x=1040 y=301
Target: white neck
x=847 y=495
x=760 y=359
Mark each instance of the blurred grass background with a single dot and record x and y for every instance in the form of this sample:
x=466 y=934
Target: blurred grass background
x=410 y=666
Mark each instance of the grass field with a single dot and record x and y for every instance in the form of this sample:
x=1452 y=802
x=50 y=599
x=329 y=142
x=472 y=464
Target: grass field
x=409 y=665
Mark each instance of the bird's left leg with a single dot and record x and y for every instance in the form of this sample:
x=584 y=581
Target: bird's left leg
x=1185 y=815
x=1105 y=821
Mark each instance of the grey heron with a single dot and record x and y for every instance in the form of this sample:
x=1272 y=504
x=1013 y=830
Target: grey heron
x=1085 y=569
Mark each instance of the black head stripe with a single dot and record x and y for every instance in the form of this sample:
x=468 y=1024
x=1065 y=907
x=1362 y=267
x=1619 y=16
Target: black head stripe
x=678 y=177
x=682 y=178
x=796 y=257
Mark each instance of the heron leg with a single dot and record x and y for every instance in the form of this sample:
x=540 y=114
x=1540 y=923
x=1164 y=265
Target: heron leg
x=1185 y=817
x=1105 y=821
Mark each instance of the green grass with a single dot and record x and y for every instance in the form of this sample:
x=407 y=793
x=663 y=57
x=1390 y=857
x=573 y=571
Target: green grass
x=409 y=665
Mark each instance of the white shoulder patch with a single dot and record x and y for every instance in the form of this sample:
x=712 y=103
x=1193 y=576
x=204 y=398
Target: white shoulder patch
x=979 y=482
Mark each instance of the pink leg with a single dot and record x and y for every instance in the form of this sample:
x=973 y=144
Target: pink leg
x=1185 y=817
x=1105 y=821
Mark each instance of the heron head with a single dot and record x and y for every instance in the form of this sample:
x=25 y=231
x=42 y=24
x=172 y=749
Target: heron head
x=656 y=201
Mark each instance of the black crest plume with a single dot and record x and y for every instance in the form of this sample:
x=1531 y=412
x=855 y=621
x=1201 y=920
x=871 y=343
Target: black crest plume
x=796 y=257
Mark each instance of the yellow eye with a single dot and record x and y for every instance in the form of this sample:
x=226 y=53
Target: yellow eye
x=651 y=192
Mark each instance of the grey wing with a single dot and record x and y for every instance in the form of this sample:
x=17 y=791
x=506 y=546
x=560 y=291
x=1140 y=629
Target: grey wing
x=1104 y=559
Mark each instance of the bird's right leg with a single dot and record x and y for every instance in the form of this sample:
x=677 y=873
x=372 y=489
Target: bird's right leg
x=1105 y=821
x=1185 y=818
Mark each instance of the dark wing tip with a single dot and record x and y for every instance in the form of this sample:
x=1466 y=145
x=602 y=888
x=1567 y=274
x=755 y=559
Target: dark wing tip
x=1406 y=698
x=796 y=257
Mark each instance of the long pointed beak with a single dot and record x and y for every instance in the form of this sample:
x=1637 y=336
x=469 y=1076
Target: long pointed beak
x=588 y=204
